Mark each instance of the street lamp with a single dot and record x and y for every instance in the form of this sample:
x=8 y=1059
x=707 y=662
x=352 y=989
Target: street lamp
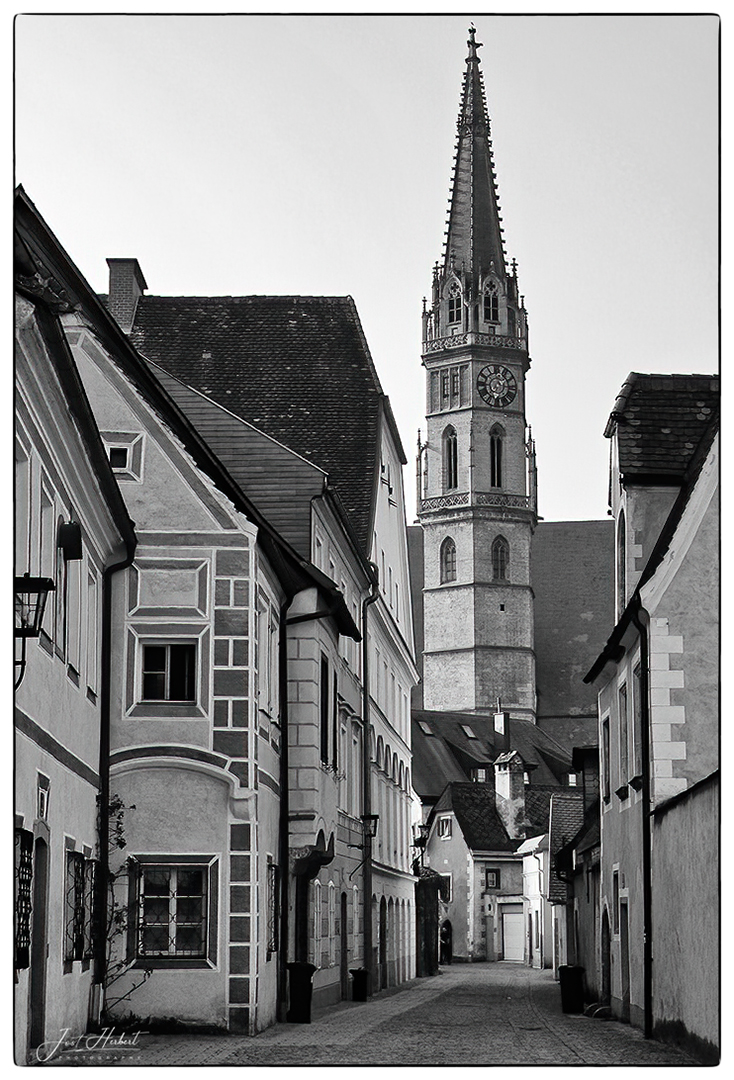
x=31 y=594
x=369 y=824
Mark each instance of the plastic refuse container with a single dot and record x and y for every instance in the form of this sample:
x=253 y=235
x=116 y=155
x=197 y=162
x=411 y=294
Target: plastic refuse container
x=301 y=989
x=359 y=984
x=571 y=978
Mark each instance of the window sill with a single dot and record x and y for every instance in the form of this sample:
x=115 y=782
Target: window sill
x=73 y=674
x=166 y=710
x=161 y=963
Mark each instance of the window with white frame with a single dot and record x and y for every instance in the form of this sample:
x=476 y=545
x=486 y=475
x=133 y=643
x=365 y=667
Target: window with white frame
x=175 y=909
x=443 y=828
x=92 y=625
x=169 y=672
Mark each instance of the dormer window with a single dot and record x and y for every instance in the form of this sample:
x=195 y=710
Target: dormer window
x=454 y=304
x=491 y=303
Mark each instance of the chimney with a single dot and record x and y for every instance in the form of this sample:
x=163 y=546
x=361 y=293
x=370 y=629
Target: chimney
x=502 y=730
x=509 y=790
x=127 y=285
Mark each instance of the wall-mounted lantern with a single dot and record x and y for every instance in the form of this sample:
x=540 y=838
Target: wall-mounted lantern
x=31 y=594
x=369 y=824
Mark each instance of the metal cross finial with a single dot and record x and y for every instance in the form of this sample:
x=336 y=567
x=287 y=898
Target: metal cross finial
x=473 y=45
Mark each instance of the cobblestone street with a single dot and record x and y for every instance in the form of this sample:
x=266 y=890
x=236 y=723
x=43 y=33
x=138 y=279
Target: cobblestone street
x=479 y=1014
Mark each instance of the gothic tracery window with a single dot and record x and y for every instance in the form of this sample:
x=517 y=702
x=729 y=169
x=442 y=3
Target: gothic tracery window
x=448 y=560
x=500 y=559
x=450 y=459
x=491 y=303
x=454 y=303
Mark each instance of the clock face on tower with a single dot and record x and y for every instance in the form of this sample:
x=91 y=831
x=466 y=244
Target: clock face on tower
x=497 y=385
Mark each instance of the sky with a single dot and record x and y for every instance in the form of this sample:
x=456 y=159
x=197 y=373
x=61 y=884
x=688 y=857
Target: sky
x=311 y=155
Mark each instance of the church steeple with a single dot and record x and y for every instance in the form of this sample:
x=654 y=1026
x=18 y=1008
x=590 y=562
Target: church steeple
x=474 y=290
x=474 y=238
x=476 y=469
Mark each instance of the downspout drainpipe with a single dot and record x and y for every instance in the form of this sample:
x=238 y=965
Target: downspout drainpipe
x=284 y=838
x=101 y=879
x=646 y=818
x=367 y=783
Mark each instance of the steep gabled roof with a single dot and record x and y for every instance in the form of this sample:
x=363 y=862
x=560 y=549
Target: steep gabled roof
x=659 y=420
x=297 y=367
x=476 y=813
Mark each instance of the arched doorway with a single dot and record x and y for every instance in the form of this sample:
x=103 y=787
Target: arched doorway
x=344 y=949
x=39 y=944
x=446 y=942
x=606 y=960
x=383 y=944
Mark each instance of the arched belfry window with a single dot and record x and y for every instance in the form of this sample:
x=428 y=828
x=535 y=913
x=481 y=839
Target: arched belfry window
x=621 y=565
x=500 y=559
x=454 y=303
x=448 y=560
x=450 y=460
x=491 y=302
x=496 y=440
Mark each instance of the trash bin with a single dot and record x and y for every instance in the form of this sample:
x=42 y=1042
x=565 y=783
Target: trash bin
x=301 y=989
x=359 y=984
x=571 y=978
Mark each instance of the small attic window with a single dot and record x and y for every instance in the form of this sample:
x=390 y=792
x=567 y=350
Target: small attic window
x=118 y=457
x=468 y=731
x=424 y=727
x=443 y=828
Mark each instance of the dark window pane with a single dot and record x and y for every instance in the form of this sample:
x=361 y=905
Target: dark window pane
x=189 y=940
x=155 y=939
x=155 y=910
x=189 y=909
x=118 y=457
x=157 y=882
x=182 y=673
x=190 y=882
x=154 y=687
x=154 y=658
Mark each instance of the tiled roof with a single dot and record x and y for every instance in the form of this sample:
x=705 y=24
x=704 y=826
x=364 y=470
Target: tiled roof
x=446 y=753
x=659 y=421
x=476 y=813
x=297 y=367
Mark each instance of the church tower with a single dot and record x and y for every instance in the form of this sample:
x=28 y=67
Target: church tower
x=476 y=470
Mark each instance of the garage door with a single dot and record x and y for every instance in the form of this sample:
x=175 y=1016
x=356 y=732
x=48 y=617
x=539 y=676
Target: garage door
x=512 y=936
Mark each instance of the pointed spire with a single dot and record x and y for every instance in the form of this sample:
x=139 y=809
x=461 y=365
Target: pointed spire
x=474 y=234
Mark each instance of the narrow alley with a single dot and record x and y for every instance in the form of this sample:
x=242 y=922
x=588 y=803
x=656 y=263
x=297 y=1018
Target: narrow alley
x=478 y=1014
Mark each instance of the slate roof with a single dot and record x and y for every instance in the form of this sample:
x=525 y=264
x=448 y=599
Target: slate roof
x=447 y=753
x=476 y=813
x=572 y=573
x=566 y=818
x=297 y=367
x=659 y=421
